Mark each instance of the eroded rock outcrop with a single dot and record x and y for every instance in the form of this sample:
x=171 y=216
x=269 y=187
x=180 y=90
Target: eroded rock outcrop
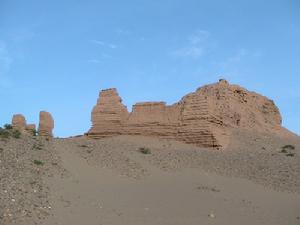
x=204 y=117
x=46 y=124
x=237 y=107
x=18 y=122
x=109 y=115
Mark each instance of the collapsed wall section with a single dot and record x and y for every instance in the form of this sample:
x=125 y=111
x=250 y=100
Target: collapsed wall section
x=186 y=121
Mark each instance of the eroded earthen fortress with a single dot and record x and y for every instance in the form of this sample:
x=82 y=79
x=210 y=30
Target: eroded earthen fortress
x=203 y=118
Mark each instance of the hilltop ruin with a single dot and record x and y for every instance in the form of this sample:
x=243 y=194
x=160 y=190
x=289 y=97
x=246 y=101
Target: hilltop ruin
x=46 y=124
x=203 y=118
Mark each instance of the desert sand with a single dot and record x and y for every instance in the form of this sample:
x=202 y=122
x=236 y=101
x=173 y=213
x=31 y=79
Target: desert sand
x=139 y=192
x=109 y=181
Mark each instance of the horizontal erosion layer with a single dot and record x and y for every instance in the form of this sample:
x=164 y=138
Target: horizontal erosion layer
x=189 y=131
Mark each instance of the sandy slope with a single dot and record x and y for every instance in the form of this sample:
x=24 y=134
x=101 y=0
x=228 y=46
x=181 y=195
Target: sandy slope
x=23 y=192
x=110 y=182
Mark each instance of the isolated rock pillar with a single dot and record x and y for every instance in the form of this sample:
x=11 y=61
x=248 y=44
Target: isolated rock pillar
x=46 y=124
x=18 y=122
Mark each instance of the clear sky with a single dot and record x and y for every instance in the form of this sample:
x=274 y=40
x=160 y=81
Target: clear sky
x=57 y=55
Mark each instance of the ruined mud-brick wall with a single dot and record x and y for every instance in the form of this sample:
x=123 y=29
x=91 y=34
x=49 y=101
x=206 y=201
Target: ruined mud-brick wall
x=153 y=119
x=202 y=117
x=109 y=115
x=46 y=124
x=237 y=107
x=195 y=124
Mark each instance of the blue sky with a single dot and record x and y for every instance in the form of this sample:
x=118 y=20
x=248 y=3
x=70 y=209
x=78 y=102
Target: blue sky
x=57 y=55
